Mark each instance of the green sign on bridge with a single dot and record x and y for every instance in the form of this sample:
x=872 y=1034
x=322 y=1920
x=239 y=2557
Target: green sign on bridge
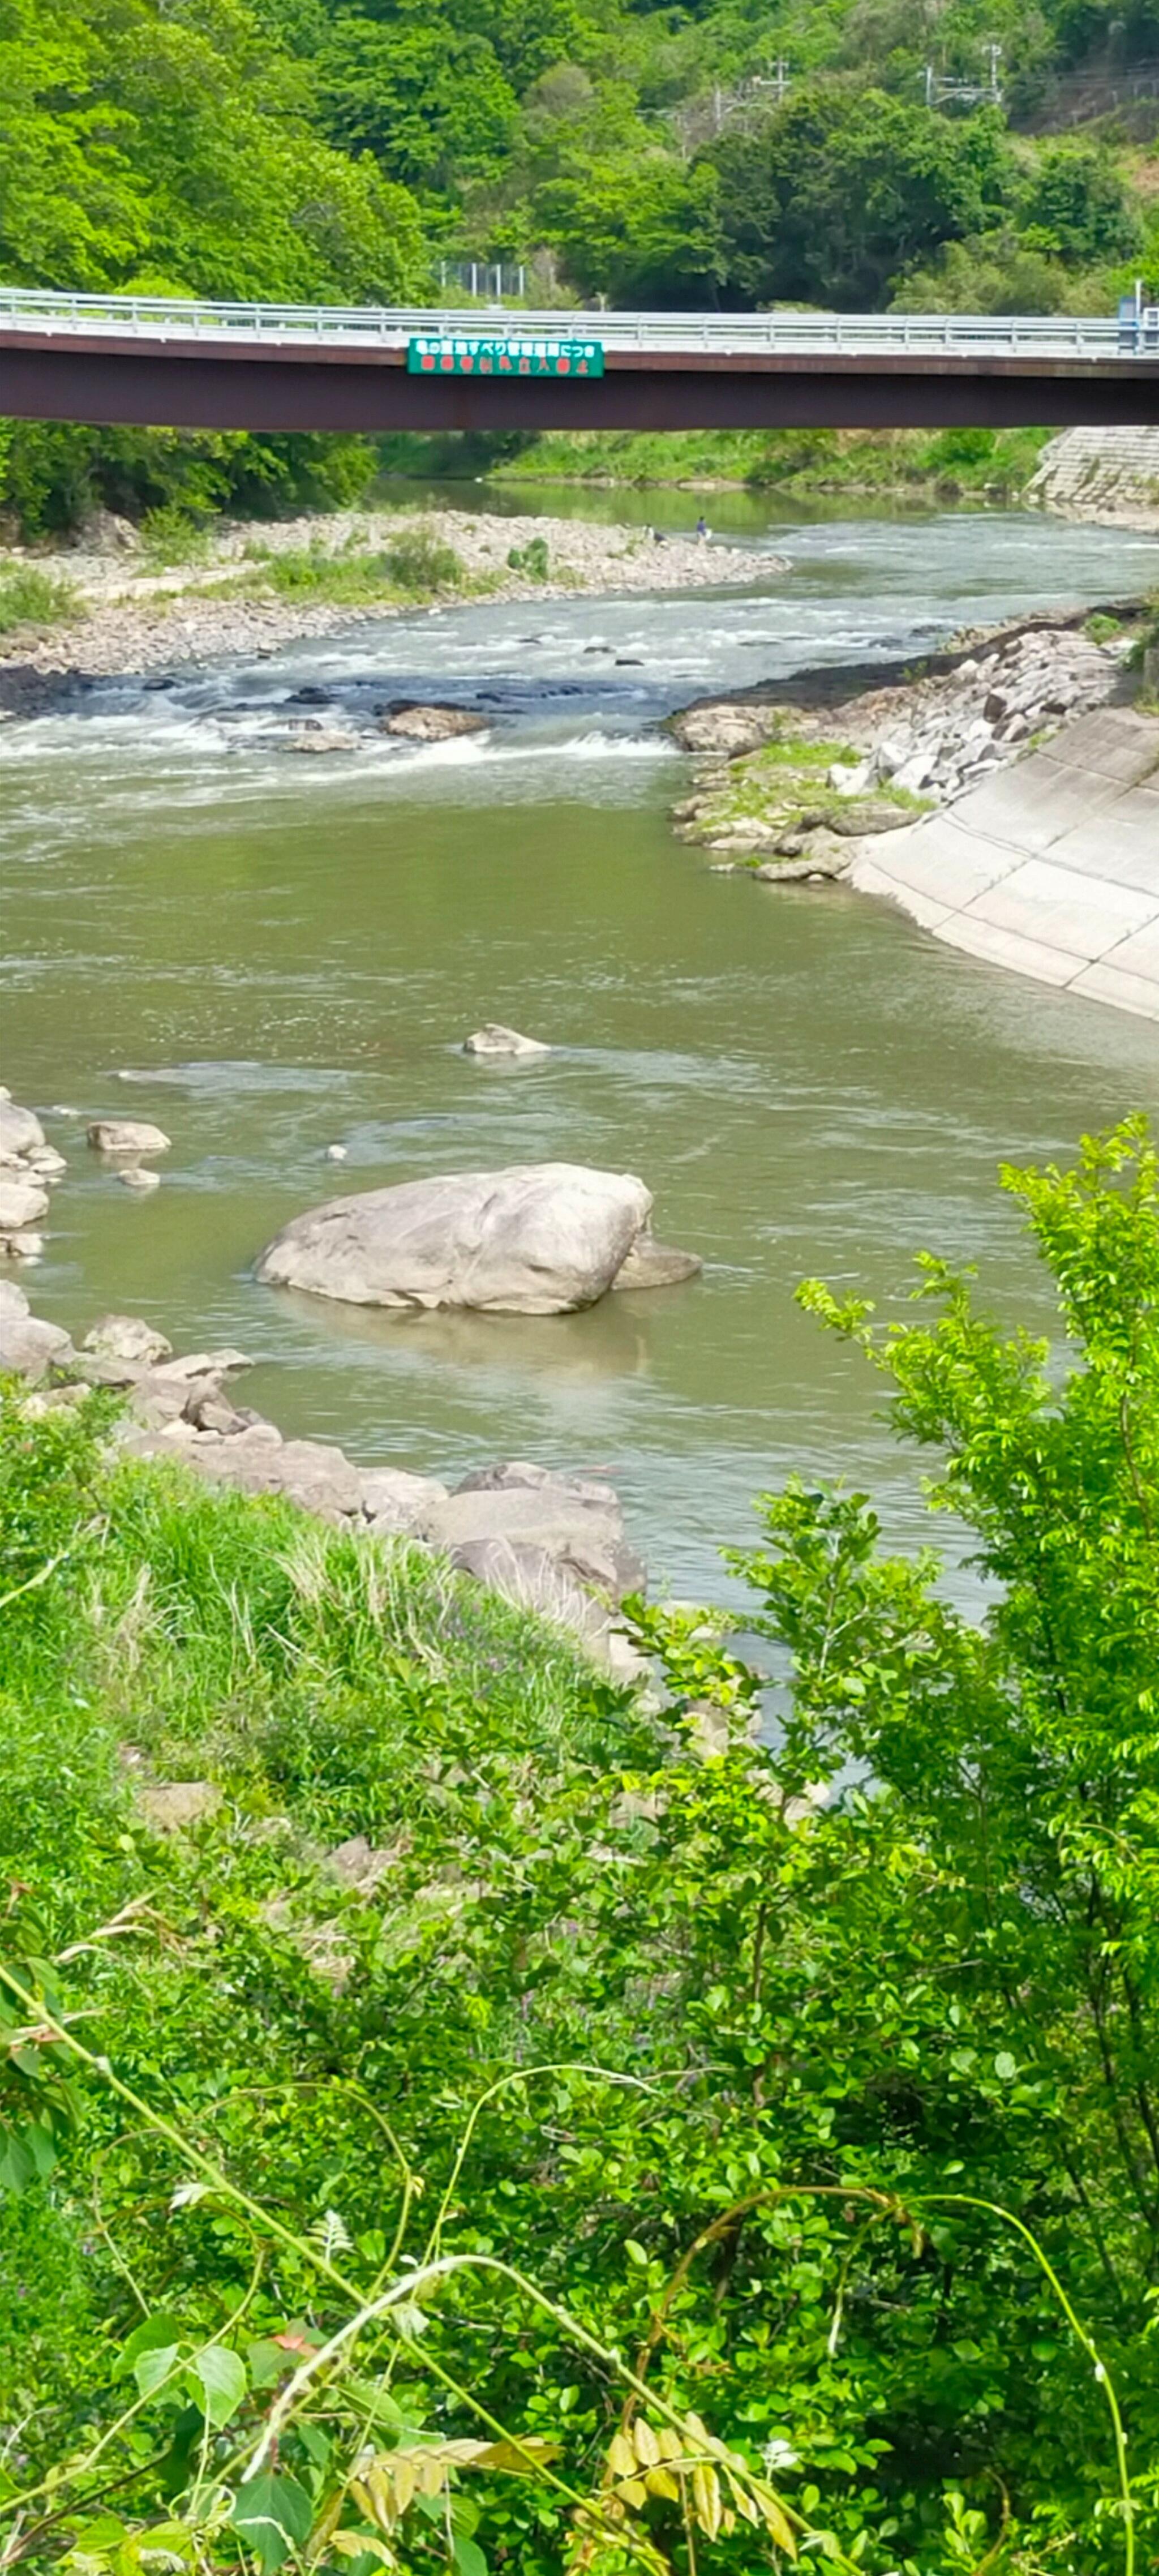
x=448 y=355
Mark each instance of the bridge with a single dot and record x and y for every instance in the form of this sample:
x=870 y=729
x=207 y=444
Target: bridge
x=189 y=365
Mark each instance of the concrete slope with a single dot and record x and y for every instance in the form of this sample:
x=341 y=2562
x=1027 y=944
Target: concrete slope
x=1110 y=475
x=1051 y=867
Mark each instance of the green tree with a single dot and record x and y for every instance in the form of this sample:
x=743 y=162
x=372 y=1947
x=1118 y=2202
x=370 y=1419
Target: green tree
x=841 y=190
x=638 y=231
x=432 y=105
x=1076 y=206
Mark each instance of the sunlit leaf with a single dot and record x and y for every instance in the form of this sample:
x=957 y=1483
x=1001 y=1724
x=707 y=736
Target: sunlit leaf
x=647 y=2446
x=221 y=2376
x=706 y=2498
x=151 y=2369
x=273 y=2514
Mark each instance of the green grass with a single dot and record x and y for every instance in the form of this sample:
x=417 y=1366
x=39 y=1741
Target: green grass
x=415 y=565
x=951 y=464
x=785 y=781
x=33 y=599
x=170 y=537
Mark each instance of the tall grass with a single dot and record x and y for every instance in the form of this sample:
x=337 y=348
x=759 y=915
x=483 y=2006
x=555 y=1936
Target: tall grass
x=33 y=599
x=415 y=565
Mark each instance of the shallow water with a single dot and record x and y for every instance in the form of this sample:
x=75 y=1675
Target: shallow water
x=286 y=953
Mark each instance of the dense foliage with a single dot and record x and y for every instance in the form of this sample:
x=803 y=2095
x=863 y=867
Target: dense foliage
x=615 y=149
x=704 y=2104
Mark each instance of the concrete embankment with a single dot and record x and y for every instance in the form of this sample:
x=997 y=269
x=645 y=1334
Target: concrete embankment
x=1050 y=867
x=1109 y=476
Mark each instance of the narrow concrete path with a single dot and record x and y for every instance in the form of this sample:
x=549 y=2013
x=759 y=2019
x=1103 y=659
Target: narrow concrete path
x=1051 y=867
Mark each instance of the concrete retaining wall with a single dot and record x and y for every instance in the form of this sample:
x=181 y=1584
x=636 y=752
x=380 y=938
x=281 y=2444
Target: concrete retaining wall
x=1109 y=475
x=1051 y=867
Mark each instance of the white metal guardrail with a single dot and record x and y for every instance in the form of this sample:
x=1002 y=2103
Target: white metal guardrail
x=34 y=310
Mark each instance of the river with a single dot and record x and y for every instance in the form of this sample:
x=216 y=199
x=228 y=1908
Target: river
x=286 y=953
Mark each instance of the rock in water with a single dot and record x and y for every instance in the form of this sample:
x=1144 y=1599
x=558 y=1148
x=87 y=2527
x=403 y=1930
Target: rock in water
x=321 y=738
x=134 y=1177
x=725 y=727
x=536 y=1239
x=22 y=1201
x=127 y=1136
x=127 y=1337
x=20 y=1132
x=494 y=1039
x=432 y=724
x=656 y=1265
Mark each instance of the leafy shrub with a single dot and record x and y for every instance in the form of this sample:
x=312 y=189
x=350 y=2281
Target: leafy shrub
x=170 y=535
x=960 y=450
x=415 y=564
x=418 y=560
x=532 y=559
x=32 y=598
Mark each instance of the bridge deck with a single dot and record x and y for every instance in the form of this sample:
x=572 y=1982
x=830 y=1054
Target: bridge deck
x=268 y=367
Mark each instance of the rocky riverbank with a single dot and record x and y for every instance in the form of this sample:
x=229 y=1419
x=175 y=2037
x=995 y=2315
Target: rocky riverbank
x=789 y=789
x=534 y=1239
x=549 y=1542
x=251 y=590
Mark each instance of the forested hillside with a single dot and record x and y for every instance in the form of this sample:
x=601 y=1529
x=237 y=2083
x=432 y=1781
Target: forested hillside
x=351 y=148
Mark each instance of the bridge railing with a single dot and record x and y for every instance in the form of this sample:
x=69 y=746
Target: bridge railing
x=721 y=335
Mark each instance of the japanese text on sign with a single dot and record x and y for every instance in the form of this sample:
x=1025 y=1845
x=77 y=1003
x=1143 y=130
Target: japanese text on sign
x=449 y=355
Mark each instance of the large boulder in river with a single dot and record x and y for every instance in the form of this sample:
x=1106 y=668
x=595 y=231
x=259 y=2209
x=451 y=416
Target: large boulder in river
x=127 y=1136
x=432 y=724
x=535 y=1239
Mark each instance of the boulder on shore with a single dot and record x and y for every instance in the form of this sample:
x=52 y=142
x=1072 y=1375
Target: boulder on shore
x=431 y=724
x=535 y=1239
x=20 y=1133
x=28 y=1347
x=571 y=1519
x=22 y=1201
x=494 y=1040
x=726 y=727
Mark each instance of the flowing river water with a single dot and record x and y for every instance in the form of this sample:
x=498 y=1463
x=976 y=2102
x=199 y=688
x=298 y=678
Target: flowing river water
x=286 y=953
